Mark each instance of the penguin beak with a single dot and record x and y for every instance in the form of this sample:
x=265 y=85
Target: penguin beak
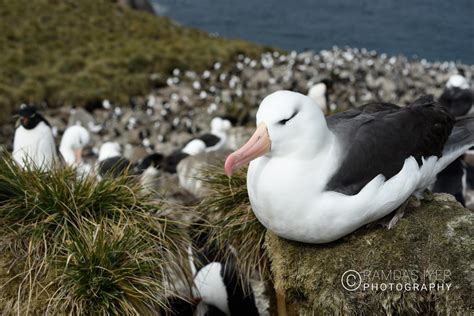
x=258 y=145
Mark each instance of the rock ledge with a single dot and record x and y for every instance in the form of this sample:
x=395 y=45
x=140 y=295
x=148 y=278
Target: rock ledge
x=383 y=271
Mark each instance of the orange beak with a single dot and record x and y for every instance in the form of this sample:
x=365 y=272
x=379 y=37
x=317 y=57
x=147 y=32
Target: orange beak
x=78 y=155
x=258 y=145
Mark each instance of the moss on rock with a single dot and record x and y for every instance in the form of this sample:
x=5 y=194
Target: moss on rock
x=431 y=244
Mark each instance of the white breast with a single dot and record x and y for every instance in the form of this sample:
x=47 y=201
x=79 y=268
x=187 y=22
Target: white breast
x=289 y=199
x=35 y=146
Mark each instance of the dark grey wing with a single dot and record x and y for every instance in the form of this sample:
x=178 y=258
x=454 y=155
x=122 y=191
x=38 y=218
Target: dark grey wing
x=458 y=101
x=461 y=135
x=155 y=160
x=170 y=162
x=209 y=139
x=378 y=142
x=378 y=107
x=338 y=123
x=114 y=167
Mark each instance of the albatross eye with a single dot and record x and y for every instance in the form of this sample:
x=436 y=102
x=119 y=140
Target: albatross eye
x=284 y=121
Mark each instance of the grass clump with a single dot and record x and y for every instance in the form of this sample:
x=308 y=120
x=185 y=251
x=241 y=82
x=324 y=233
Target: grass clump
x=111 y=269
x=82 y=246
x=74 y=51
x=232 y=222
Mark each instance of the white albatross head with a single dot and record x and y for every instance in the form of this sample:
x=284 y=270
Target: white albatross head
x=109 y=150
x=289 y=124
x=318 y=94
x=457 y=81
x=194 y=147
x=74 y=139
x=220 y=126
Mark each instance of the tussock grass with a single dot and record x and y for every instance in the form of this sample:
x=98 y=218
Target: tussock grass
x=84 y=247
x=112 y=269
x=231 y=220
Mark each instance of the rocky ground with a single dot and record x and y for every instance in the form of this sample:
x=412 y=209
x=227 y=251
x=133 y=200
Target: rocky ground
x=172 y=114
x=433 y=235
x=169 y=116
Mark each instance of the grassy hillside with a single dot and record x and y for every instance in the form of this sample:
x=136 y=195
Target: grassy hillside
x=73 y=51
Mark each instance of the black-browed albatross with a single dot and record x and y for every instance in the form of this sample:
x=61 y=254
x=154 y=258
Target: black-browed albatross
x=315 y=179
x=457 y=96
x=74 y=139
x=458 y=99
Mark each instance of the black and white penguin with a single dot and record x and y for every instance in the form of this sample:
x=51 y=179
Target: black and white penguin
x=33 y=144
x=218 y=287
x=221 y=291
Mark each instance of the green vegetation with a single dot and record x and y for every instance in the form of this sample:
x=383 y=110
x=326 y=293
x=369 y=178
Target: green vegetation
x=82 y=246
x=75 y=51
x=231 y=220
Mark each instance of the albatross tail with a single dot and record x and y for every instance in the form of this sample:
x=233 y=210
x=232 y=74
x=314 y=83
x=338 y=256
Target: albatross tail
x=459 y=141
x=462 y=136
